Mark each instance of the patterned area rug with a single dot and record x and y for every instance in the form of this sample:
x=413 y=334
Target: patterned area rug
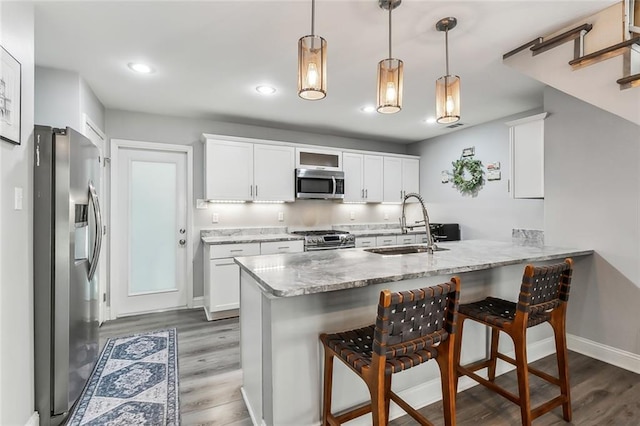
x=135 y=382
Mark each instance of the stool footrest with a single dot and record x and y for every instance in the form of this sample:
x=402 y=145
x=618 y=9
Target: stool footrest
x=511 y=397
x=549 y=378
x=409 y=409
x=354 y=413
x=548 y=406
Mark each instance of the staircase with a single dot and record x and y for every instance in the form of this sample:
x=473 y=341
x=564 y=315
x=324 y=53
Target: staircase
x=596 y=59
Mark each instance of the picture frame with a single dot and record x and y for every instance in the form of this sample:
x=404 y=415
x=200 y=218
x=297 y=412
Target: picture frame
x=10 y=97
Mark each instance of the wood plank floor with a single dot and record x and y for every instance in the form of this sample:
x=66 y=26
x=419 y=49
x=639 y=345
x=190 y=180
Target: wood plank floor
x=210 y=379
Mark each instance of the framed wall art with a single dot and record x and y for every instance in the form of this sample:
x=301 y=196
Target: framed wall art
x=10 y=89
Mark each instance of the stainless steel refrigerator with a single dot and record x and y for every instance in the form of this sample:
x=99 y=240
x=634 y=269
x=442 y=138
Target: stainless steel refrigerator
x=67 y=238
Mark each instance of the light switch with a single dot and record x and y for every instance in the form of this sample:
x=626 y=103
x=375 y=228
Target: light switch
x=386 y=215
x=215 y=218
x=280 y=216
x=17 y=198
x=352 y=215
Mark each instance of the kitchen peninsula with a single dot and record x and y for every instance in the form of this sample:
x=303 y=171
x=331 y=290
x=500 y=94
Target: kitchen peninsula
x=287 y=300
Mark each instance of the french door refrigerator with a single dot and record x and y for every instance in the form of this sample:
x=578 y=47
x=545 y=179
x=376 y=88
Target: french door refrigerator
x=67 y=235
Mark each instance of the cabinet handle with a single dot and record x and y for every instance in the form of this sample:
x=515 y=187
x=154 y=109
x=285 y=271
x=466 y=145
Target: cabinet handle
x=224 y=264
x=366 y=193
x=236 y=251
x=256 y=190
x=251 y=190
x=362 y=196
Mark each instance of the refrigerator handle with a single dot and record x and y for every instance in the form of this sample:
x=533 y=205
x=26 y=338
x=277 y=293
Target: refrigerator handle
x=97 y=245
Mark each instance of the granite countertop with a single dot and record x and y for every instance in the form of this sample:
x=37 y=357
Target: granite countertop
x=295 y=274
x=383 y=232
x=256 y=238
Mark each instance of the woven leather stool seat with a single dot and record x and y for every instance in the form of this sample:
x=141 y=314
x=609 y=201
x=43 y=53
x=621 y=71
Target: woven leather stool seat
x=411 y=327
x=543 y=299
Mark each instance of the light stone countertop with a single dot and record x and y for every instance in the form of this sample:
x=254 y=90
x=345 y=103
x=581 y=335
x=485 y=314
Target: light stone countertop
x=295 y=274
x=238 y=239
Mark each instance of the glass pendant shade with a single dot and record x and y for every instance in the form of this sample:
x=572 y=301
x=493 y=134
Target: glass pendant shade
x=312 y=67
x=448 y=99
x=389 y=86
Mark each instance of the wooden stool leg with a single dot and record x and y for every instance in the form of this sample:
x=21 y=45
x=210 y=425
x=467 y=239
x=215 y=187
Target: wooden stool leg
x=457 y=350
x=378 y=403
x=328 y=383
x=449 y=379
x=520 y=345
x=562 y=356
x=493 y=357
x=387 y=395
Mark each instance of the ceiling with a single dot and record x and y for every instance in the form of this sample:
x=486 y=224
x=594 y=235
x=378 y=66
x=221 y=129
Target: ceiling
x=210 y=55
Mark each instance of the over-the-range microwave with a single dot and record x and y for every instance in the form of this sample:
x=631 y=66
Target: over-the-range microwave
x=319 y=184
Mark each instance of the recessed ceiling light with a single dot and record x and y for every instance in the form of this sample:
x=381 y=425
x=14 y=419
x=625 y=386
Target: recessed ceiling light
x=430 y=120
x=265 y=90
x=140 y=68
x=368 y=108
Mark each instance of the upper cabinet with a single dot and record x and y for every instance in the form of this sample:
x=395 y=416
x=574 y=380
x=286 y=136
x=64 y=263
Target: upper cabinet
x=526 y=138
x=318 y=158
x=242 y=171
x=363 y=177
x=401 y=176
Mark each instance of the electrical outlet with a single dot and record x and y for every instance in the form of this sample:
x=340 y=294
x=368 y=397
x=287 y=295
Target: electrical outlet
x=386 y=215
x=215 y=218
x=352 y=215
x=280 y=216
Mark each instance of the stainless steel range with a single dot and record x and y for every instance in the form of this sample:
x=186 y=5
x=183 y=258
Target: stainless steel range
x=327 y=240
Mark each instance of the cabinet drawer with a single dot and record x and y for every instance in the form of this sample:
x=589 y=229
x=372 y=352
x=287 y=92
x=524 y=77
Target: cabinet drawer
x=406 y=239
x=275 y=247
x=386 y=241
x=365 y=241
x=234 y=250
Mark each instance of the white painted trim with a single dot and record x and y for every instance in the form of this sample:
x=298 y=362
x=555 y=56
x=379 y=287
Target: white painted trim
x=529 y=119
x=197 y=302
x=254 y=422
x=87 y=122
x=623 y=359
x=116 y=145
x=34 y=420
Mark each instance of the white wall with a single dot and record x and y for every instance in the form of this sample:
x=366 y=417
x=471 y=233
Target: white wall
x=492 y=213
x=16 y=231
x=592 y=200
x=187 y=131
x=62 y=97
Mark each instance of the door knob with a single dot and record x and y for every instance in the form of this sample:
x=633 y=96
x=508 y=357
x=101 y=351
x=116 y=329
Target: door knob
x=182 y=242
x=182 y=230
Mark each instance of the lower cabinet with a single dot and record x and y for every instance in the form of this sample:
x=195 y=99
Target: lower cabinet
x=389 y=240
x=365 y=242
x=222 y=274
x=406 y=239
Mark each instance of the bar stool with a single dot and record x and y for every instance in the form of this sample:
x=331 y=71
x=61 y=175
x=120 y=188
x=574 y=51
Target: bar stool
x=543 y=298
x=411 y=328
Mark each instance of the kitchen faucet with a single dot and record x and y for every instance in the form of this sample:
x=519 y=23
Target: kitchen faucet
x=431 y=246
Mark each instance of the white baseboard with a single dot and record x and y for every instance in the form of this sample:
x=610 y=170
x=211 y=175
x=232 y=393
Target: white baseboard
x=34 y=420
x=252 y=415
x=610 y=355
x=198 y=302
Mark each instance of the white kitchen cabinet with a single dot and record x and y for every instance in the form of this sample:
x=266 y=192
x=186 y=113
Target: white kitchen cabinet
x=526 y=140
x=228 y=170
x=242 y=171
x=273 y=172
x=365 y=242
x=363 y=176
x=388 y=240
x=406 y=239
x=222 y=274
x=401 y=176
x=279 y=247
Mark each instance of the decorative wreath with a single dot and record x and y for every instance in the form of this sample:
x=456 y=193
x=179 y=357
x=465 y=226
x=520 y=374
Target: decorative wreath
x=474 y=168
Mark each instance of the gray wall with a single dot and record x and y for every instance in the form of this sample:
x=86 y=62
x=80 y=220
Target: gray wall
x=492 y=213
x=187 y=131
x=16 y=231
x=592 y=199
x=62 y=97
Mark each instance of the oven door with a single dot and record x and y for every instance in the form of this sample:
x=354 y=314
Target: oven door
x=319 y=184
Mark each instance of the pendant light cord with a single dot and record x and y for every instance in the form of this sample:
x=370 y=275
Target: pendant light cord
x=313 y=17
x=390 y=9
x=446 y=48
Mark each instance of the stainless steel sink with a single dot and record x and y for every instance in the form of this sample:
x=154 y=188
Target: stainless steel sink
x=390 y=251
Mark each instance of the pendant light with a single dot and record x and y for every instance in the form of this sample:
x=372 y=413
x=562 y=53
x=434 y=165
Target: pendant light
x=312 y=63
x=447 y=86
x=389 y=72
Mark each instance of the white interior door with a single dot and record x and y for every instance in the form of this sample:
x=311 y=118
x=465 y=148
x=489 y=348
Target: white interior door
x=150 y=236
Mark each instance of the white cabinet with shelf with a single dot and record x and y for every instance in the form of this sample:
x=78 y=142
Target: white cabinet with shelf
x=242 y=171
x=526 y=142
x=363 y=175
x=401 y=176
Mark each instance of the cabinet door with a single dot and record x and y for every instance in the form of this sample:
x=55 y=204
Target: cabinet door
x=406 y=239
x=386 y=241
x=224 y=292
x=276 y=247
x=353 y=167
x=392 y=187
x=527 y=166
x=274 y=168
x=228 y=170
x=410 y=175
x=365 y=242
x=373 y=178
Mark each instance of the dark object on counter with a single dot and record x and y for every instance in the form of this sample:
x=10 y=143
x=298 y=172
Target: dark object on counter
x=411 y=328
x=445 y=232
x=544 y=294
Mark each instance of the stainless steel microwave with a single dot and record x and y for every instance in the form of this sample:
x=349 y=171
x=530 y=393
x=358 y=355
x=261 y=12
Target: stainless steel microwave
x=319 y=184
